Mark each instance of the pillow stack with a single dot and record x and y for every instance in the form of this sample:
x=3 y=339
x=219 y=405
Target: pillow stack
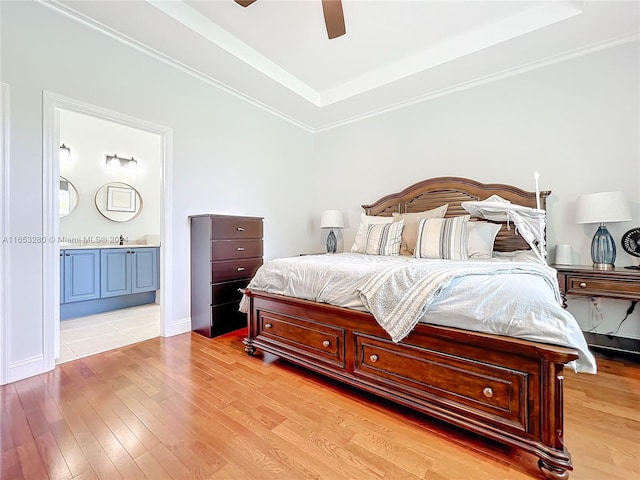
x=426 y=235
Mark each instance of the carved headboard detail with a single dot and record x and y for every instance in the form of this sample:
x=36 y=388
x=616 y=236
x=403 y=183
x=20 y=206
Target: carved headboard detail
x=435 y=192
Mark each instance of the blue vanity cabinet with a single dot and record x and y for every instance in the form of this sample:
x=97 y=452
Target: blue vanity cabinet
x=81 y=275
x=128 y=270
x=115 y=272
x=144 y=270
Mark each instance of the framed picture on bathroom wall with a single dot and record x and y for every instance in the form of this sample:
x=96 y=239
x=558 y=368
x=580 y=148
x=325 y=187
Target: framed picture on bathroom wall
x=121 y=199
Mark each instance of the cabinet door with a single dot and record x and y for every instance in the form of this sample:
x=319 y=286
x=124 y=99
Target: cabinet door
x=115 y=265
x=81 y=275
x=144 y=270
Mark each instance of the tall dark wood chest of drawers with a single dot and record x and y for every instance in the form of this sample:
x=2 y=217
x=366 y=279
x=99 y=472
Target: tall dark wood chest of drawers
x=226 y=251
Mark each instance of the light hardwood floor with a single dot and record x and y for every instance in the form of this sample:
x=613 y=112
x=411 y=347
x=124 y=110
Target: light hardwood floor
x=188 y=407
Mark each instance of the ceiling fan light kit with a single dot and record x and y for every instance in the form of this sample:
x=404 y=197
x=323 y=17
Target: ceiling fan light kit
x=333 y=16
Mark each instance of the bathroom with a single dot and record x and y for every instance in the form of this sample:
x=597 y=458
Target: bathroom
x=110 y=212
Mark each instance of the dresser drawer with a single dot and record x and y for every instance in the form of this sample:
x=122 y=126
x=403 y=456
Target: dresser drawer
x=493 y=393
x=225 y=292
x=230 y=249
x=226 y=318
x=234 y=269
x=316 y=339
x=592 y=286
x=235 y=227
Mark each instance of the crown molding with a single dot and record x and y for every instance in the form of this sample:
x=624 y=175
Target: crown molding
x=166 y=59
x=524 y=68
x=195 y=21
x=582 y=51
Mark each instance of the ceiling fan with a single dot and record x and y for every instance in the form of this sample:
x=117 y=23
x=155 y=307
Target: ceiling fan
x=333 y=16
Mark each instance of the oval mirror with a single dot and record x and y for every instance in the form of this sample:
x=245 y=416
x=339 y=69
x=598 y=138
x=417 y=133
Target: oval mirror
x=118 y=202
x=68 y=197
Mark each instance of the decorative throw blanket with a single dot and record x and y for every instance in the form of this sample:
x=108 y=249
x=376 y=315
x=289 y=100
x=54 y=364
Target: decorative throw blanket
x=398 y=296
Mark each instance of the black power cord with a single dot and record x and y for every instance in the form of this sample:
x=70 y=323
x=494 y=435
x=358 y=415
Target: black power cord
x=629 y=312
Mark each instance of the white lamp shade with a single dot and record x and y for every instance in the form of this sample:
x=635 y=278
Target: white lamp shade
x=331 y=219
x=605 y=207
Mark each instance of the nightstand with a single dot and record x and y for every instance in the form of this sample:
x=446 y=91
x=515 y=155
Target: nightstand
x=586 y=281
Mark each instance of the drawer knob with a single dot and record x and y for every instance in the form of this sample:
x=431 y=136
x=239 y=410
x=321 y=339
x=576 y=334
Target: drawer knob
x=240 y=269
x=373 y=358
x=240 y=249
x=267 y=325
x=487 y=392
x=582 y=285
x=326 y=343
x=240 y=229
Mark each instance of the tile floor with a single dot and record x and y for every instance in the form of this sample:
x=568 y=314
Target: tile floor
x=83 y=336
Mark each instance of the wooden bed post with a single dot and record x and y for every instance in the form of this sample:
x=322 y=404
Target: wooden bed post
x=553 y=423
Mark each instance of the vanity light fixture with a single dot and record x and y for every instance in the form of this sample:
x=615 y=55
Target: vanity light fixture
x=65 y=154
x=116 y=161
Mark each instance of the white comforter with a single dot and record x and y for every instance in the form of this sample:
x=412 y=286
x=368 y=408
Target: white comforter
x=499 y=296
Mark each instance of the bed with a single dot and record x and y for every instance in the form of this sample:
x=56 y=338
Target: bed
x=503 y=388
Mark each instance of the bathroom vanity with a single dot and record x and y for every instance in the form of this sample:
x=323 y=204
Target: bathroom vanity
x=95 y=280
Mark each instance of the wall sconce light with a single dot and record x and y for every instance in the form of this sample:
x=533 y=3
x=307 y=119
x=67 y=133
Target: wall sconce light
x=65 y=154
x=116 y=161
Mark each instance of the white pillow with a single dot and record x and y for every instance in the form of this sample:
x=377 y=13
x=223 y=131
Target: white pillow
x=360 y=243
x=410 y=230
x=444 y=238
x=384 y=238
x=480 y=238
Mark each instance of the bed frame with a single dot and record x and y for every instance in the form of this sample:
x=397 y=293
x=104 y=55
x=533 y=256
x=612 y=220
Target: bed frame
x=504 y=389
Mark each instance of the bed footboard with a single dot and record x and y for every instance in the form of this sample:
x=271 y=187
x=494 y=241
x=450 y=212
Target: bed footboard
x=505 y=389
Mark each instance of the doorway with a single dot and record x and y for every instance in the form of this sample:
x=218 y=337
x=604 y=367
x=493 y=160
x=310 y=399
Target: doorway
x=110 y=201
x=54 y=105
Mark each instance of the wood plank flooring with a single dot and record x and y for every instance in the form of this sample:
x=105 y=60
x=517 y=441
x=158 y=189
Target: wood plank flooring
x=188 y=407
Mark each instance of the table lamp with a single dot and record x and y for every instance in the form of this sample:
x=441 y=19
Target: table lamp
x=600 y=208
x=331 y=219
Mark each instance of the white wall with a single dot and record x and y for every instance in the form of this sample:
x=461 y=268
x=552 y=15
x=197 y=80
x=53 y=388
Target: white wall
x=228 y=155
x=576 y=122
x=90 y=139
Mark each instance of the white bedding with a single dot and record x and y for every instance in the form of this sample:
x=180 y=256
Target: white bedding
x=523 y=303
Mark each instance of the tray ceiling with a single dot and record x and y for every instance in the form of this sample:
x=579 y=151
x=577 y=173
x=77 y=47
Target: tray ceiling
x=276 y=53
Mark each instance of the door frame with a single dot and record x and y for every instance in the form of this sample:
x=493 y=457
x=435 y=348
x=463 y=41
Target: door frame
x=4 y=222
x=52 y=103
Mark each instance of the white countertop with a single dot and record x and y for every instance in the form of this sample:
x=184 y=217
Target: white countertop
x=77 y=246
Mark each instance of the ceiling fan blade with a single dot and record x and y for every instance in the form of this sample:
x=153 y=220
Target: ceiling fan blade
x=244 y=3
x=333 y=17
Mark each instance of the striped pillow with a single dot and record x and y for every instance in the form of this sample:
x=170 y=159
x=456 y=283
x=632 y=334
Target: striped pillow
x=442 y=238
x=384 y=239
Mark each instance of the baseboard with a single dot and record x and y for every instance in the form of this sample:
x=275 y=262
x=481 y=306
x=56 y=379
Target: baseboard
x=177 y=327
x=613 y=344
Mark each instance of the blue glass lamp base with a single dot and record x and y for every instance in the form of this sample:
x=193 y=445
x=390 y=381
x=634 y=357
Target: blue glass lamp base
x=603 y=249
x=332 y=242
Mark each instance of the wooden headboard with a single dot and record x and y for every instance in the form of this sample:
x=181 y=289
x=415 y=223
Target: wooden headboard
x=435 y=192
